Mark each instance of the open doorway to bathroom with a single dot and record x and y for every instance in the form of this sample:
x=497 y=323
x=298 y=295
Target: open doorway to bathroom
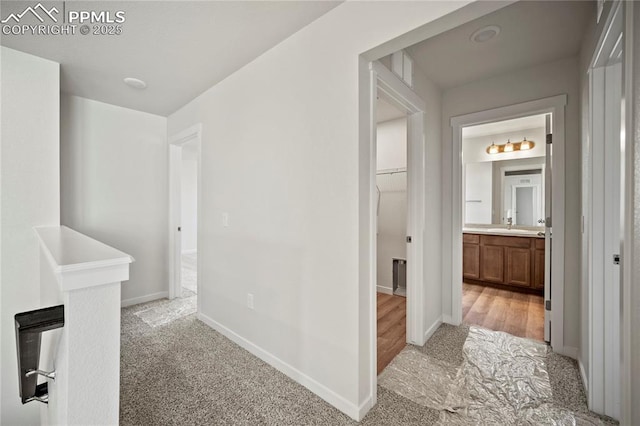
x=505 y=192
x=391 y=231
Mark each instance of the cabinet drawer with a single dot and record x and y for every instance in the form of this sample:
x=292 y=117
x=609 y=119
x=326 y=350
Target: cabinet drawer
x=496 y=240
x=471 y=238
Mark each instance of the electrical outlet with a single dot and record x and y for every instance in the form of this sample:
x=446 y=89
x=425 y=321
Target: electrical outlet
x=225 y=220
x=249 y=300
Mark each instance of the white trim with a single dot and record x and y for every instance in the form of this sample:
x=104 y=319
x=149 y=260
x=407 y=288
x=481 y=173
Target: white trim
x=338 y=401
x=448 y=319
x=603 y=219
x=190 y=251
x=384 y=290
x=628 y=256
x=144 y=299
x=432 y=329
x=583 y=375
x=175 y=244
x=556 y=106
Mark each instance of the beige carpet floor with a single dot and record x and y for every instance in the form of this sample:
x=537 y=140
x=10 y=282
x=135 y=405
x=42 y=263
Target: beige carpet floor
x=185 y=373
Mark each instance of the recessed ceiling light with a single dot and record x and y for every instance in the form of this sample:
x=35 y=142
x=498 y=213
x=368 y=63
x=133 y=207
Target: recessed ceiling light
x=135 y=83
x=485 y=33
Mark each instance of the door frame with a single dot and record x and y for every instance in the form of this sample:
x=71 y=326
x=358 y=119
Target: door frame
x=176 y=142
x=603 y=390
x=556 y=106
x=381 y=78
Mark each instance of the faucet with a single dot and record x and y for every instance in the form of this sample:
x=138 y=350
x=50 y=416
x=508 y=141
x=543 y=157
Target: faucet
x=509 y=223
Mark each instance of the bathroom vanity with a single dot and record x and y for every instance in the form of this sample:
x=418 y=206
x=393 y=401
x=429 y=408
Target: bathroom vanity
x=512 y=259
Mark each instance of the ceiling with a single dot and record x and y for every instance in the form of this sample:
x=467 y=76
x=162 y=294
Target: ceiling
x=532 y=32
x=179 y=48
x=505 y=126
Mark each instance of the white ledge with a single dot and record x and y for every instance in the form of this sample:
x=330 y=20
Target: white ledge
x=79 y=261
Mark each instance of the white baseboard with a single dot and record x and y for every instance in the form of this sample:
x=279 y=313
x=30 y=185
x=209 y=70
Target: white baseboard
x=364 y=408
x=432 y=329
x=314 y=386
x=385 y=290
x=143 y=299
x=190 y=251
x=583 y=374
x=447 y=319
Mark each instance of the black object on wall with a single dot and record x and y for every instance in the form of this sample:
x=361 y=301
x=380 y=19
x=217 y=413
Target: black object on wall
x=29 y=328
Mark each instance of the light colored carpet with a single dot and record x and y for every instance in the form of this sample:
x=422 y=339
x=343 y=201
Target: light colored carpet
x=189 y=272
x=185 y=373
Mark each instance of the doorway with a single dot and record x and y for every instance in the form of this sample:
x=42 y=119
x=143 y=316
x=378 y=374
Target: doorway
x=503 y=232
x=184 y=203
x=392 y=230
x=516 y=266
x=396 y=94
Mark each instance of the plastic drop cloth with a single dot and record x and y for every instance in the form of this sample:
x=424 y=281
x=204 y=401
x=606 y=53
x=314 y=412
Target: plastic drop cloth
x=503 y=380
x=419 y=378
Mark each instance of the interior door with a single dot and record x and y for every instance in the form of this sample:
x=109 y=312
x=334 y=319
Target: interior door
x=548 y=229
x=612 y=241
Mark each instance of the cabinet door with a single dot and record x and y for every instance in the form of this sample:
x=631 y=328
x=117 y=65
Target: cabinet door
x=492 y=264
x=471 y=261
x=538 y=269
x=518 y=266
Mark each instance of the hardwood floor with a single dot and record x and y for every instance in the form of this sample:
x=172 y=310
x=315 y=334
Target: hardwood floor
x=392 y=327
x=503 y=310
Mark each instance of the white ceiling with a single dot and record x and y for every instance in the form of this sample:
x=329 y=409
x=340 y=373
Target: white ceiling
x=506 y=126
x=180 y=48
x=532 y=32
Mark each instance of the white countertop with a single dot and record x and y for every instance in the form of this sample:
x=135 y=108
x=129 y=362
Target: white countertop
x=503 y=232
x=69 y=250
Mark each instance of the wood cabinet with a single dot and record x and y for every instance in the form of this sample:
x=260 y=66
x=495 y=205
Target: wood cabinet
x=471 y=257
x=514 y=262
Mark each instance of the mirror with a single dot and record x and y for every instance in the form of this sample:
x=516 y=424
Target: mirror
x=504 y=187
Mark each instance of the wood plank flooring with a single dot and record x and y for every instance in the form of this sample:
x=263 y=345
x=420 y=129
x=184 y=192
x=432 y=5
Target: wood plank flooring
x=392 y=327
x=503 y=310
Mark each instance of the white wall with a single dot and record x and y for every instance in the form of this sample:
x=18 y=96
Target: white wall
x=189 y=195
x=30 y=190
x=290 y=182
x=521 y=86
x=478 y=192
x=392 y=144
x=114 y=186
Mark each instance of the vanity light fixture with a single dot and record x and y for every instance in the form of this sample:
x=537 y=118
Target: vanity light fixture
x=523 y=145
x=508 y=147
x=493 y=148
